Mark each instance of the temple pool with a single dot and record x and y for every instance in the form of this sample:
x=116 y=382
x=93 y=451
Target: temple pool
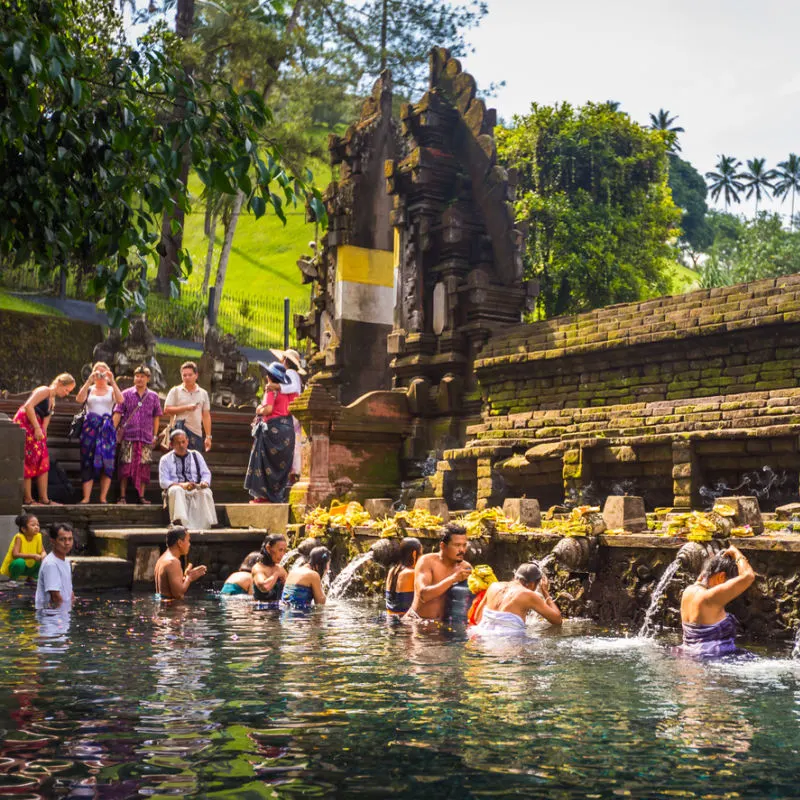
x=218 y=699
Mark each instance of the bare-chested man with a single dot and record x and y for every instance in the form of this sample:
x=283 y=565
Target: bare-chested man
x=436 y=574
x=172 y=581
x=507 y=603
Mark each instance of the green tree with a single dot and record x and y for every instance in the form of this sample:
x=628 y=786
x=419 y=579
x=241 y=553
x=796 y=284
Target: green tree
x=689 y=194
x=757 y=180
x=788 y=182
x=593 y=193
x=749 y=250
x=89 y=144
x=725 y=181
x=662 y=121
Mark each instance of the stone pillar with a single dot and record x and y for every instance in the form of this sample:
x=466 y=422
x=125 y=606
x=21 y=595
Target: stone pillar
x=316 y=410
x=683 y=475
x=12 y=455
x=484 y=479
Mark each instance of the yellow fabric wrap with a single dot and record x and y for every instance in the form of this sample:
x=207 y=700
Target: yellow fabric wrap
x=481 y=578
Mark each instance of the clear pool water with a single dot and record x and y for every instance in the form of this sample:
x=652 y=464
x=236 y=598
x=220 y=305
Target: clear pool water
x=217 y=699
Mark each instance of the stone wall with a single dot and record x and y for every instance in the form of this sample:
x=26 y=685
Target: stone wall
x=667 y=399
x=34 y=349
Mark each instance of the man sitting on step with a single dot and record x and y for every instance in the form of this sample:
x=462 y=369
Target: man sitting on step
x=185 y=479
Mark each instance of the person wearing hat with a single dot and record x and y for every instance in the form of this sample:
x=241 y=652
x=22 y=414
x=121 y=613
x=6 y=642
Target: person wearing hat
x=294 y=369
x=272 y=453
x=186 y=480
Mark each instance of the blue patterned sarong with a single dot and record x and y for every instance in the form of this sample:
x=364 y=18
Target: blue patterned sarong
x=98 y=446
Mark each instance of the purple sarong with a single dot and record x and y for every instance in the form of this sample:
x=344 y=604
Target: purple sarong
x=711 y=641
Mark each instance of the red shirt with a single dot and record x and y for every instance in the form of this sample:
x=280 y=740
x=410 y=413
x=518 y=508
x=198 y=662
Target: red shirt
x=280 y=404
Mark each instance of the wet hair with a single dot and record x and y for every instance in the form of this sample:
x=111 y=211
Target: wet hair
x=56 y=527
x=250 y=560
x=176 y=534
x=189 y=365
x=270 y=541
x=142 y=370
x=318 y=559
x=450 y=530
x=64 y=379
x=528 y=573
x=716 y=564
x=409 y=547
x=22 y=520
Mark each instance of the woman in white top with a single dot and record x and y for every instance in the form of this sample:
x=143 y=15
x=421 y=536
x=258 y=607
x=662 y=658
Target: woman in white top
x=100 y=393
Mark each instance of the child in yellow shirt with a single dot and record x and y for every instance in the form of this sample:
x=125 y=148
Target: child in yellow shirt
x=25 y=552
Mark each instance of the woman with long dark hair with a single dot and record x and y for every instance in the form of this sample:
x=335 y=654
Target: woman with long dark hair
x=268 y=574
x=240 y=583
x=304 y=583
x=400 y=580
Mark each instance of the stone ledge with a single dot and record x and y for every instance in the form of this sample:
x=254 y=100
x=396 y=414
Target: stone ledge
x=158 y=535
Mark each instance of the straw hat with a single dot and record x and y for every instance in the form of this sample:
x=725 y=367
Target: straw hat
x=296 y=362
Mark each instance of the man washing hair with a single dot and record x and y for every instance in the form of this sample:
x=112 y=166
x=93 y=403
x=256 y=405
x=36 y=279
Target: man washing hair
x=508 y=603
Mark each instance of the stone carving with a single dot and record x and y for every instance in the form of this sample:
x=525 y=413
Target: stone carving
x=123 y=355
x=224 y=367
x=349 y=363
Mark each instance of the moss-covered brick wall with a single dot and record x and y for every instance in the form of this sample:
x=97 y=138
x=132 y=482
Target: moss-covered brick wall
x=34 y=349
x=722 y=341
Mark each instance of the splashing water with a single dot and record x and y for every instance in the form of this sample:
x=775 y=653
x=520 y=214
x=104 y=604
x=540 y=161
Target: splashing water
x=648 y=628
x=796 y=648
x=289 y=557
x=547 y=561
x=345 y=577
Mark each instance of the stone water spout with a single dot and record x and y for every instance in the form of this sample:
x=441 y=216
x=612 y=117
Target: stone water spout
x=385 y=551
x=690 y=557
x=574 y=553
x=308 y=544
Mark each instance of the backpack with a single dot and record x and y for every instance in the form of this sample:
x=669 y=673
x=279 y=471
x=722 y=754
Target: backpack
x=59 y=487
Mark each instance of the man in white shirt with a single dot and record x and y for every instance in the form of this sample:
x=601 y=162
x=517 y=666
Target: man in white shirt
x=190 y=405
x=54 y=587
x=186 y=479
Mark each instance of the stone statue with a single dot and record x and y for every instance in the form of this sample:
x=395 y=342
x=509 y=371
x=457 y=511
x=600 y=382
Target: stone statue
x=225 y=368
x=124 y=355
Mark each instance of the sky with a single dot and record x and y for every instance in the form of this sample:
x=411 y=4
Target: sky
x=729 y=69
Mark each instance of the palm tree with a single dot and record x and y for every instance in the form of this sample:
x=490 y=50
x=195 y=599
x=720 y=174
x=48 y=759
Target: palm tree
x=726 y=180
x=664 y=122
x=788 y=181
x=757 y=179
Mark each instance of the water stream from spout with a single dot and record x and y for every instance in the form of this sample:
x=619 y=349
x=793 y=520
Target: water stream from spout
x=289 y=557
x=796 y=648
x=343 y=580
x=648 y=628
x=547 y=561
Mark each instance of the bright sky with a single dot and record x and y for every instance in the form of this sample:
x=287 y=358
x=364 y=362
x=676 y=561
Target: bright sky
x=729 y=69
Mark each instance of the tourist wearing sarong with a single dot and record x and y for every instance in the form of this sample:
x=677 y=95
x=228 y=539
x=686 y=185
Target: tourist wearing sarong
x=34 y=418
x=708 y=629
x=98 y=436
x=294 y=369
x=136 y=419
x=507 y=604
x=186 y=481
x=271 y=457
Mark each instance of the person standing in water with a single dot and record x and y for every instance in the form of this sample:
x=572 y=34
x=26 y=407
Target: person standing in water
x=304 y=583
x=269 y=576
x=240 y=583
x=708 y=629
x=507 y=603
x=172 y=582
x=54 y=587
x=400 y=580
x=438 y=576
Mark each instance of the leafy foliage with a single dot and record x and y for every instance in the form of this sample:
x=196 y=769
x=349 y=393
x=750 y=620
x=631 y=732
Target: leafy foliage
x=91 y=146
x=748 y=250
x=593 y=192
x=689 y=194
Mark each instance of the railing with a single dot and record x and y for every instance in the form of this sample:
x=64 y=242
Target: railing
x=259 y=322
